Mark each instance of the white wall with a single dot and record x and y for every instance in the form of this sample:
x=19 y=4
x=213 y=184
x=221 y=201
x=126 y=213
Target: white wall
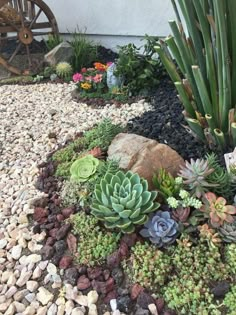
x=114 y=21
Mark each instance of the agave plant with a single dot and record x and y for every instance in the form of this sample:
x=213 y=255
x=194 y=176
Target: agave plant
x=195 y=176
x=228 y=232
x=217 y=210
x=123 y=201
x=82 y=169
x=205 y=54
x=165 y=183
x=160 y=229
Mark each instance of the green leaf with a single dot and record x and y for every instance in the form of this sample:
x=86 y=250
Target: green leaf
x=112 y=219
x=121 y=176
x=105 y=200
x=138 y=188
x=130 y=229
x=150 y=207
x=144 y=184
x=140 y=220
x=135 y=214
x=134 y=179
x=115 y=180
x=103 y=185
x=124 y=200
x=114 y=200
x=125 y=214
x=117 y=207
x=146 y=197
x=105 y=211
x=98 y=195
x=131 y=203
x=138 y=203
x=109 y=189
x=123 y=224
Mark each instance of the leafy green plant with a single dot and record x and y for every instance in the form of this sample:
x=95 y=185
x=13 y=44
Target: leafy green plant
x=217 y=210
x=85 y=52
x=139 y=66
x=53 y=41
x=102 y=135
x=230 y=254
x=166 y=184
x=70 y=152
x=95 y=246
x=230 y=300
x=64 y=70
x=123 y=201
x=84 y=168
x=148 y=266
x=63 y=169
x=205 y=55
x=195 y=176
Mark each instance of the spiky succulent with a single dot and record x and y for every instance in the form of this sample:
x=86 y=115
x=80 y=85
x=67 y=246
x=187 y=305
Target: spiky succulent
x=64 y=70
x=123 y=201
x=160 y=229
x=82 y=169
x=217 y=210
x=228 y=232
x=195 y=176
x=165 y=183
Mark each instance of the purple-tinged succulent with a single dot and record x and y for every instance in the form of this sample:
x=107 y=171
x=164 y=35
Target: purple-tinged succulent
x=160 y=229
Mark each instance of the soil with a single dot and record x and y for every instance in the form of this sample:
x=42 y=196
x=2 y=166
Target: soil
x=166 y=123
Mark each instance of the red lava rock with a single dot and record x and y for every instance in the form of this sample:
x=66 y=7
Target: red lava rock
x=53 y=232
x=94 y=273
x=100 y=286
x=106 y=274
x=40 y=215
x=60 y=218
x=110 y=296
x=65 y=262
x=47 y=252
x=160 y=303
x=129 y=239
x=114 y=259
x=144 y=299
x=62 y=232
x=123 y=250
x=110 y=284
x=83 y=283
x=72 y=243
x=50 y=241
x=67 y=212
x=49 y=226
x=136 y=290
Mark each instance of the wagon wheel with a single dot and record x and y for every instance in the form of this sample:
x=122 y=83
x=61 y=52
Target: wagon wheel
x=34 y=19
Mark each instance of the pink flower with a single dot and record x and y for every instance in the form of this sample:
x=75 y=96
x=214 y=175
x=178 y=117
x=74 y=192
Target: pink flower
x=77 y=77
x=89 y=78
x=97 y=78
x=83 y=70
x=109 y=63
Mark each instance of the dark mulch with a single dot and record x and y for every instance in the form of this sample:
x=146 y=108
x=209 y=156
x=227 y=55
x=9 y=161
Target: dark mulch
x=35 y=47
x=105 y=55
x=165 y=123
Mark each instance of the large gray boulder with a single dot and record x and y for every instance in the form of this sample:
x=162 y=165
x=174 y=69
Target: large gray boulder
x=61 y=53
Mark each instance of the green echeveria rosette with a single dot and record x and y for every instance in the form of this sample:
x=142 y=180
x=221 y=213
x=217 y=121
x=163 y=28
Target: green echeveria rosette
x=84 y=168
x=123 y=201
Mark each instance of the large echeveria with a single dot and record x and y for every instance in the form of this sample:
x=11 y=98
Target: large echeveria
x=123 y=201
x=160 y=229
x=82 y=169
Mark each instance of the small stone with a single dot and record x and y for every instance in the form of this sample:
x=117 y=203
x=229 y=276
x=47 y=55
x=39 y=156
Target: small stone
x=69 y=306
x=61 y=309
x=32 y=286
x=34 y=258
x=24 y=277
x=4 y=306
x=43 y=264
x=52 y=309
x=10 y=310
x=71 y=276
x=44 y=296
x=153 y=309
x=29 y=310
x=19 y=307
x=16 y=252
x=113 y=304
x=92 y=310
x=20 y=295
x=83 y=283
x=51 y=269
x=43 y=310
x=82 y=300
x=30 y=297
x=37 y=273
x=220 y=289
x=10 y=292
x=60 y=300
x=92 y=297
x=65 y=262
x=77 y=311
x=47 y=252
x=63 y=231
x=3 y=243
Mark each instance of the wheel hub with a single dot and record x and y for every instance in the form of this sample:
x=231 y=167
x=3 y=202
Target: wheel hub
x=25 y=36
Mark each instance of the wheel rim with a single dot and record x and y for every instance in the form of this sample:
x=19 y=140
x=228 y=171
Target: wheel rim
x=40 y=21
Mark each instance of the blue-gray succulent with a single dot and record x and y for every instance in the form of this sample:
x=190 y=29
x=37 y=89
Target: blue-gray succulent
x=160 y=229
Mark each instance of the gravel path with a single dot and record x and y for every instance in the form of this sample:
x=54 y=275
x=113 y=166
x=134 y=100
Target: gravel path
x=29 y=114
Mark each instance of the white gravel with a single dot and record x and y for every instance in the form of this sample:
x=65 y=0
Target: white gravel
x=28 y=115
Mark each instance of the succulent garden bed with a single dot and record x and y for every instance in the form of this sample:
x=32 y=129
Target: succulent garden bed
x=146 y=249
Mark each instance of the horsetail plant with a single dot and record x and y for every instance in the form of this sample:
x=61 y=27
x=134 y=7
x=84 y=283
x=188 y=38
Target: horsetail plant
x=205 y=54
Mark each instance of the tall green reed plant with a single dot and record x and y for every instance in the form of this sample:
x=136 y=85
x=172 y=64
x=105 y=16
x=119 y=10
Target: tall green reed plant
x=85 y=52
x=205 y=75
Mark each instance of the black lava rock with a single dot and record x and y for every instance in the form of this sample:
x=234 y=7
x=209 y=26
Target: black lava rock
x=118 y=276
x=124 y=304
x=220 y=289
x=47 y=252
x=71 y=276
x=60 y=247
x=165 y=123
x=144 y=299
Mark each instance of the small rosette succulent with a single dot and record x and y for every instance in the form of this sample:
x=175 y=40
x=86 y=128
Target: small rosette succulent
x=217 y=210
x=161 y=229
x=228 y=232
x=195 y=176
x=123 y=201
x=84 y=168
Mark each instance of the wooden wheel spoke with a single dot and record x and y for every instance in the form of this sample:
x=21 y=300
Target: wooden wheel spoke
x=21 y=13
x=35 y=18
x=15 y=52
x=28 y=55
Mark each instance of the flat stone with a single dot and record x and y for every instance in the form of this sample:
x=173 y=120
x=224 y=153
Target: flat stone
x=20 y=307
x=51 y=269
x=10 y=292
x=10 y=310
x=30 y=310
x=82 y=300
x=61 y=309
x=52 y=310
x=3 y=243
x=42 y=310
x=16 y=252
x=32 y=286
x=44 y=296
x=92 y=297
x=24 y=277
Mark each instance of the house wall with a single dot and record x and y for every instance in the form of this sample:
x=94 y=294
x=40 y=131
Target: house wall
x=114 y=22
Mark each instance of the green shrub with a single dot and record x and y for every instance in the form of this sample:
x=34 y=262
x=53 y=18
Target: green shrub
x=85 y=52
x=52 y=41
x=139 y=67
x=148 y=266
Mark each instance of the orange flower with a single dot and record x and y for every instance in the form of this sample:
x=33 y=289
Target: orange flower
x=100 y=66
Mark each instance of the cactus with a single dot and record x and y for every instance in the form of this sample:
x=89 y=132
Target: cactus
x=64 y=70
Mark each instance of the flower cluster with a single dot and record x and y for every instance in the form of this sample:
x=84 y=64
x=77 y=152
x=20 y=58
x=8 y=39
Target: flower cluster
x=92 y=79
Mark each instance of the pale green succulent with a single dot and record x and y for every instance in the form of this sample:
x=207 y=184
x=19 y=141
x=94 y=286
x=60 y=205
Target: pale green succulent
x=64 y=70
x=123 y=201
x=185 y=201
x=84 y=168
